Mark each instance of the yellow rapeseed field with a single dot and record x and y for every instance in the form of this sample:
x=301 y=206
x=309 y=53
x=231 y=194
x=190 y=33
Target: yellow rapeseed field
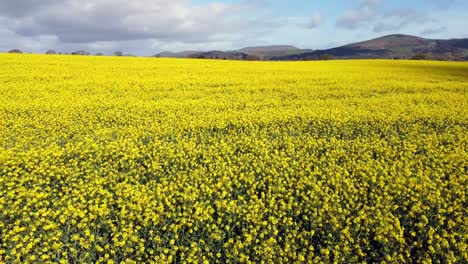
x=131 y=160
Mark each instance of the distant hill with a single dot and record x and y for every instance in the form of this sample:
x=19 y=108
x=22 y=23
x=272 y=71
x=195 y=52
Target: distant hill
x=268 y=52
x=389 y=47
x=220 y=55
x=266 y=49
x=215 y=54
x=254 y=53
x=182 y=54
x=392 y=42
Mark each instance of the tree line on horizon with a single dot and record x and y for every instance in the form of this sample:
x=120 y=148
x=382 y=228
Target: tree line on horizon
x=78 y=52
x=418 y=56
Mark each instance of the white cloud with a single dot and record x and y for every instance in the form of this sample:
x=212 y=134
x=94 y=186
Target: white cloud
x=315 y=20
x=84 y=21
x=353 y=19
x=432 y=31
x=442 y=3
x=374 y=15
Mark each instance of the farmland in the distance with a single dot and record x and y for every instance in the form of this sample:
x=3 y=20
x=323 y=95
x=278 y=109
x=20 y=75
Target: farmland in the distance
x=111 y=159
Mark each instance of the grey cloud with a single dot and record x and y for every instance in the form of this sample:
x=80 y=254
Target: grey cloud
x=375 y=15
x=396 y=19
x=85 y=21
x=431 y=31
x=355 y=18
x=442 y=3
x=382 y=27
x=315 y=20
x=19 y=8
x=10 y=40
x=372 y=3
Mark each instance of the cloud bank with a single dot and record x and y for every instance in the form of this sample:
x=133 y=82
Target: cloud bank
x=149 y=26
x=83 y=21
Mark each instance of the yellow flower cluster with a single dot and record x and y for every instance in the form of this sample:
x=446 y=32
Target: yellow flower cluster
x=132 y=160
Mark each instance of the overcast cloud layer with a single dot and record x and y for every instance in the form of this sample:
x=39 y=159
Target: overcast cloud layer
x=145 y=27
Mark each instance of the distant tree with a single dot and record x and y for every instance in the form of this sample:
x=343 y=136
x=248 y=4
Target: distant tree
x=446 y=56
x=118 y=53
x=326 y=57
x=15 y=51
x=99 y=54
x=51 y=52
x=80 y=52
x=459 y=56
x=421 y=56
x=252 y=58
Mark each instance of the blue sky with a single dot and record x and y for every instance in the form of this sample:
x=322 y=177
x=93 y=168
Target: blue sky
x=145 y=27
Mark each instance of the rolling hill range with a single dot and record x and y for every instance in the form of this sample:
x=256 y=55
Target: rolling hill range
x=269 y=52
x=216 y=54
x=182 y=54
x=389 y=47
x=253 y=53
x=396 y=46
